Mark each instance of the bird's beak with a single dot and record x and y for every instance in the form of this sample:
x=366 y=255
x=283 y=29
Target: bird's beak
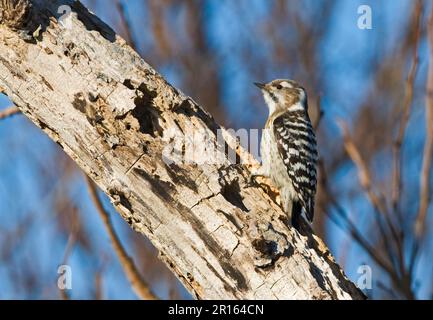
x=260 y=85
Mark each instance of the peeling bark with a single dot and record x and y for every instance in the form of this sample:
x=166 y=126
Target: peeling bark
x=115 y=116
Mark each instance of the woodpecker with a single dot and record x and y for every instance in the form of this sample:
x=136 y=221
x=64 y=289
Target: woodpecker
x=288 y=148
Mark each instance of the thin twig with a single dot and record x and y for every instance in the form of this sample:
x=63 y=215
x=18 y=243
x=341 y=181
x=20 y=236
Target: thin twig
x=98 y=286
x=163 y=39
x=396 y=181
x=378 y=201
x=72 y=239
x=9 y=112
x=379 y=204
x=140 y=287
x=126 y=24
x=363 y=243
x=64 y=295
x=428 y=147
x=354 y=232
x=388 y=290
x=396 y=186
x=360 y=239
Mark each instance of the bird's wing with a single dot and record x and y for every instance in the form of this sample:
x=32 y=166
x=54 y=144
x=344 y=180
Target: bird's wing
x=296 y=143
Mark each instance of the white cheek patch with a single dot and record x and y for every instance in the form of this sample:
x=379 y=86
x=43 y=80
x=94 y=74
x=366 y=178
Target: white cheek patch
x=268 y=98
x=270 y=103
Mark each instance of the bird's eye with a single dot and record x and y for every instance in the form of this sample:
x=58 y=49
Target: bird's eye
x=279 y=86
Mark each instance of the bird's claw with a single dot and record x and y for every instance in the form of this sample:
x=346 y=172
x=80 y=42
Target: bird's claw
x=252 y=182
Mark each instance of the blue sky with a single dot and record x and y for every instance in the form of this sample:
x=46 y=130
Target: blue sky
x=343 y=52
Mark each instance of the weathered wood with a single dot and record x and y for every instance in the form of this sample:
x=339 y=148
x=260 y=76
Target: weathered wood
x=116 y=118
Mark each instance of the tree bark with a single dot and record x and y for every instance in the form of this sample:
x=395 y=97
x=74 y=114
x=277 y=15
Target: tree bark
x=116 y=118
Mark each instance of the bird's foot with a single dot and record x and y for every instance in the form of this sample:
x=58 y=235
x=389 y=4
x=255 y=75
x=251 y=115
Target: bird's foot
x=252 y=182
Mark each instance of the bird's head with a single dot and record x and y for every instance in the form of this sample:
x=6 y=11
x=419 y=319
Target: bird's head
x=284 y=95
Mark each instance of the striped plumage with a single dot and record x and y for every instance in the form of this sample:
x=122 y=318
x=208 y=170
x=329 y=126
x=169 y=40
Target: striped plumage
x=288 y=147
x=297 y=147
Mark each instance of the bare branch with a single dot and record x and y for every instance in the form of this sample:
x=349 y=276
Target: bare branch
x=428 y=147
x=98 y=286
x=163 y=38
x=358 y=236
x=409 y=88
x=352 y=229
x=364 y=175
x=126 y=24
x=377 y=201
x=140 y=287
x=9 y=112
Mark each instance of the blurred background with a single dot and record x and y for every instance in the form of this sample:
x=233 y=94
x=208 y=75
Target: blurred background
x=367 y=96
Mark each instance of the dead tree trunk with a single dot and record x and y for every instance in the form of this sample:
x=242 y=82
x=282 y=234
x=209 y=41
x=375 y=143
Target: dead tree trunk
x=115 y=117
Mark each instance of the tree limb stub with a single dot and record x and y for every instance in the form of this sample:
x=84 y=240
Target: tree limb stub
x=115 y=116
